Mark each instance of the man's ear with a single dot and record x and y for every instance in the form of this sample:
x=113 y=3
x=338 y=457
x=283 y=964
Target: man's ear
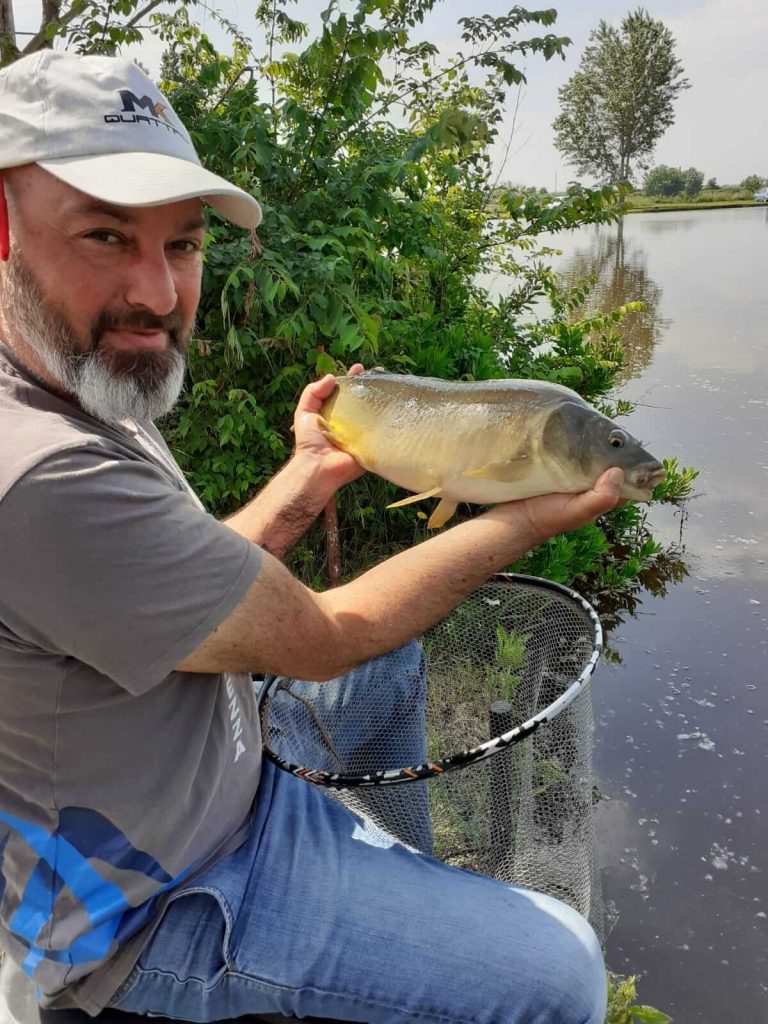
x=5 y=234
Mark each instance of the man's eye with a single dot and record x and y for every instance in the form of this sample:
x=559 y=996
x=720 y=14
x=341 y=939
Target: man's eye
x=108 y=237
x=187 y=245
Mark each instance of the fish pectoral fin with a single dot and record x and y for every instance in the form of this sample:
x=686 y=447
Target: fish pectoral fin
x=442 y=514
x=416 y=497
x=325 y=428
x=504 y=472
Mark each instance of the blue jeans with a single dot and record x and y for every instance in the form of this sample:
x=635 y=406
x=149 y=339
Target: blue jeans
x=318 y=914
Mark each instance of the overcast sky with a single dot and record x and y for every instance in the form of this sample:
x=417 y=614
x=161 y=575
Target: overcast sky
x=720 y=124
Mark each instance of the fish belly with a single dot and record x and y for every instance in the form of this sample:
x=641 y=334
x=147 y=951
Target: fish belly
x=540 y=479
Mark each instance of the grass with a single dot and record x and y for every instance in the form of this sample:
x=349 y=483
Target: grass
x=708 y=198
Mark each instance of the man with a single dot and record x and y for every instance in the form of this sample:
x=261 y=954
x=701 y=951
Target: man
x=149 y=860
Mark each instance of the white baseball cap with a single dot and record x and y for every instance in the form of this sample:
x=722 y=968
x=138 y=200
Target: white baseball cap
x=102 y=126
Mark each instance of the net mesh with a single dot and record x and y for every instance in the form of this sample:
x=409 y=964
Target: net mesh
x=523 y=815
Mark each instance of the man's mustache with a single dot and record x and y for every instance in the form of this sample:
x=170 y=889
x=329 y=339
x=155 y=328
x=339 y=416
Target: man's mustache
x=137 y=320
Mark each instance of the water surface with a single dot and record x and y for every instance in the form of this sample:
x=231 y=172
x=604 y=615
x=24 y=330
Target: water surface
x=682 y=716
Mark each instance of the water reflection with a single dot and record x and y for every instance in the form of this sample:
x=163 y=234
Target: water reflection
x=619 y=270
x=682 y=711
x=615 y=606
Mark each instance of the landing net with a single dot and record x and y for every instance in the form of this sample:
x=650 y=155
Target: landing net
x=488 y=722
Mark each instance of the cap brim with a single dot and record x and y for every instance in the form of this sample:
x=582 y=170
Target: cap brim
x=151 y=179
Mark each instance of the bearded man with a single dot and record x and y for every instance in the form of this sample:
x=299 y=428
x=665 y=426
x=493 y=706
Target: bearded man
x=149 y=860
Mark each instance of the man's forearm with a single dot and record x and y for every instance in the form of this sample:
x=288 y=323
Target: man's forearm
x=284 y=510
x=283 y=627
x=409 y=592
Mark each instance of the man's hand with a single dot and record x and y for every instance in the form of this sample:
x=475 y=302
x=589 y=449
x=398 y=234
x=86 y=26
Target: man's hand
x=550 y=514
x=337 y=466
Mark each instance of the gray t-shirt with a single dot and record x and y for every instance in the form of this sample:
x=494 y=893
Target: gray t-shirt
x=120 y=779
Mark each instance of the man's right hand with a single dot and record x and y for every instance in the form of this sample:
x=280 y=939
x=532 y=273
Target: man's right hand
x=550 y=514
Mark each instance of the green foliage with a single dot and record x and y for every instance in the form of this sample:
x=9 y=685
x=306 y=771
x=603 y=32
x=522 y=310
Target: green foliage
x=87 y=26
x=503 y=677
x=373 y=239
x=623 y=1007
x=721 y=196
x=376 y=187
x=664 y=181
x=620 y=101
x=753 y=182
x=678 y=483
x=693 y=180
x=712 y=184
x=673 y=181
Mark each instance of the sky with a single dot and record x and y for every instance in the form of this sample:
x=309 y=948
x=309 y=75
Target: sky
x=720 y=121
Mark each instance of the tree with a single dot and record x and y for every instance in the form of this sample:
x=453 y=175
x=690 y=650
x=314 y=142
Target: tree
x=693 y=180
x=90 y=26
x=753 y=182
x=664 y=181
x=8 y=48
x=712 y=183
x=620 y=102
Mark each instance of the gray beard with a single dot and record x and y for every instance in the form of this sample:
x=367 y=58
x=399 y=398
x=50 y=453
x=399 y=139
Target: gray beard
x=146 y=394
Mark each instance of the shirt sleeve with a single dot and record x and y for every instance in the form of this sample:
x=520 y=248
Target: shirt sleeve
x=105 y=560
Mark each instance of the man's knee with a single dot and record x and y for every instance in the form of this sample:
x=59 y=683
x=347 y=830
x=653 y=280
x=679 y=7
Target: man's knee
x=575 y=981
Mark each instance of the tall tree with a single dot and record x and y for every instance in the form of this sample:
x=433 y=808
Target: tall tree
x=90 y=26
x=8 y=49
x=620 y=102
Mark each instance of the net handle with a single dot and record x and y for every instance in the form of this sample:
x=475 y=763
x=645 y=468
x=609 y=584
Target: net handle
x=429 y=769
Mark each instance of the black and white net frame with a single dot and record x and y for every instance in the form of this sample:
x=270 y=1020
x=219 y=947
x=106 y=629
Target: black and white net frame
x=511 y=658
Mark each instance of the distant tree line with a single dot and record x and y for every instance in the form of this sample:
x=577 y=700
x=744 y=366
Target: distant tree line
x=665 y=182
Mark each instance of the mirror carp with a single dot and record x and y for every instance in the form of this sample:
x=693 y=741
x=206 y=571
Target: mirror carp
x=483 y=442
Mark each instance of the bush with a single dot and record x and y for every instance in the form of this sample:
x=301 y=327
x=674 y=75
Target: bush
x=664 y=181
x=753 y=182
x=693 y=181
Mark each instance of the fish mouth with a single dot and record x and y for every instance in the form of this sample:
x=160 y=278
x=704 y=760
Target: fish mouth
x=640 y=486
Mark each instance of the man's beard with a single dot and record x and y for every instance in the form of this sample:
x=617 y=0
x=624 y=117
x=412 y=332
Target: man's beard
x=110 y=384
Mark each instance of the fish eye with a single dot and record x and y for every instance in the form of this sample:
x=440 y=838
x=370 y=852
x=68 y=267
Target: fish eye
x=617 y=438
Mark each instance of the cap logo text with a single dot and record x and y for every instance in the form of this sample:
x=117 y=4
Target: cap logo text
x=156 y=112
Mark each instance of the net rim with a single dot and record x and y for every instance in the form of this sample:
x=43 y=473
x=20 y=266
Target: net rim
x=481 y=752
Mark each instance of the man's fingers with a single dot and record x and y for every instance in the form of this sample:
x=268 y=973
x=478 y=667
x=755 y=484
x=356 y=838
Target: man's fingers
x=355 y=369
x=605 y=493
x=314 y=394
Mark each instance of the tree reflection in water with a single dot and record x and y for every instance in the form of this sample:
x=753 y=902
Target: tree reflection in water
x=620 y=275
x=614 y=606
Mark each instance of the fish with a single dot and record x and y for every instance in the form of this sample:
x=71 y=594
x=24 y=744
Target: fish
x=480 y=441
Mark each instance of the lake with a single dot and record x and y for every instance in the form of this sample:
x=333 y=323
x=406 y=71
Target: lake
x=681 y=740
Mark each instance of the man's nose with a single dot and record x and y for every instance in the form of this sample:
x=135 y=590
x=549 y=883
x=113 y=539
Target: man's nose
x=150 y=283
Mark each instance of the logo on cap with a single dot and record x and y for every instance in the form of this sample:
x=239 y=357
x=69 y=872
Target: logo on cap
x=156 y=112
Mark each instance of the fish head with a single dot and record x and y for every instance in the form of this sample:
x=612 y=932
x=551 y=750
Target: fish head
x=585 y=443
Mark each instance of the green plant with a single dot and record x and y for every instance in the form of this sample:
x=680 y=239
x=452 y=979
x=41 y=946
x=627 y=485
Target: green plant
x=678 y=483
x=502 y=677
x=753 y=182
x=623 y=1007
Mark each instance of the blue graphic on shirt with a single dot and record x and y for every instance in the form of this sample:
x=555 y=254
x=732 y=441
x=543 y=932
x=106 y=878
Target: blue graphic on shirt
x=65 y=856
x=3 y=841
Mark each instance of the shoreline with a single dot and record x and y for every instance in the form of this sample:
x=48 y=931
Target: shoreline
x=662 y=207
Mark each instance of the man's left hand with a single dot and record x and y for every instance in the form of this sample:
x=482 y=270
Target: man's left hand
x=338 y=467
